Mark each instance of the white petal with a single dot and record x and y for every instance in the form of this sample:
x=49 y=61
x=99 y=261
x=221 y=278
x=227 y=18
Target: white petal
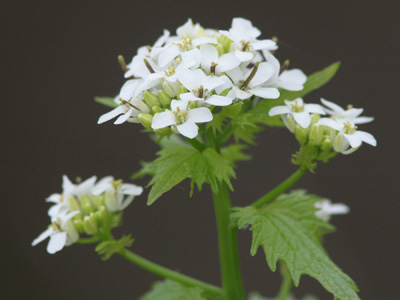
x=188 y=129
x=111 y=114
x=209 y=54
x=192 y=58
x=128 y=89
x=200 y=115
x=294 y=75
x=189 y=97
x=246 y=25
x=279 y=110
x=131 y=189
x=227 y=62
x=353 y=139
x=330 y=123
x=264 y=72
x=302 y=118
x=230 y=36
x=162 y=39
x=338 y=209
x=182 y=104
x=211 y=82
x=163 y=119
x=241 y=94
x=219 y=100
x=314 y=108
x=121 y=119
x=167 y=55
x=264 y=44
x=366 y=137
x=266 y=93
x=363 y=120
x=57 y=242
x=204 y=40
x=187 y=78
x=244 y=56
x=44 y=235
x=336 y=108
x=55 y=198
x=126 y=202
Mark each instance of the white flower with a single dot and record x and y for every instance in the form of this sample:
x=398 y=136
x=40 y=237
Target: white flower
x=212 y=63
x=326 y=209
x=115 y=192
x=341 y=115
x=251 y=82
x=61 y=232
x=298 y=110
x=347 y=138
x=291 y=80
x=201 y=86
x=182 y=118
x=244 y=35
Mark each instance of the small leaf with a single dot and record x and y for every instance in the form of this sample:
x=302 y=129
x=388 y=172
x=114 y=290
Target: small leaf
x=234 y=153
x=107 y=101
x=313 y=82
x=289 y=230
x=176 y=164
x=171 y=290
x=108 y=248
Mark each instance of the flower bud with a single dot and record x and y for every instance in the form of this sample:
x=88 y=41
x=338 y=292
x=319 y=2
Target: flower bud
x=169 y=89
x=145 y=120
x=74 y=204
x=165 y=99
x=301 y=134
x=316 y=134
x=157 y=109
x=78 y=224
x=90 y=225
x=98 y=201
x=86 y=204
x=150 y=99
x=225 y=43
x=103 y=215
x=181 y=90
x=326 y=144
x=220 y=49
x=340 y=144
x=289 y=122
x=315 y=118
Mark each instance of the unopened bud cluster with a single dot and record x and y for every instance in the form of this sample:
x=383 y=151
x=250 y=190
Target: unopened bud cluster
x=176 y=83
x=89 y=208
x=338 y=132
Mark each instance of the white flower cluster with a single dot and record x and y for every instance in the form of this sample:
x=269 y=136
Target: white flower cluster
x=85 y=208
x=176 y=83
x=338 y=131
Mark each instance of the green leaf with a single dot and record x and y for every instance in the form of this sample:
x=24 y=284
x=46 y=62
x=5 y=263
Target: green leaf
x=107 y=101
x=314 y=81
x=288 y=230
x=108 y=248
x=226 y=112
x=171 y=290
x=245 y=128
x=174 y=165
x=234 y=153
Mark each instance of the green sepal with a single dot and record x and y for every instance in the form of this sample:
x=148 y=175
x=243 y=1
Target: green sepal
x=107 y=101
x=288 y=230
x=107 y=248
x=172 y=290
x=306 y=157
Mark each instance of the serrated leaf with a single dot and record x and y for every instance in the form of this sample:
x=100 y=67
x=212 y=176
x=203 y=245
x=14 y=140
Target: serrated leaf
x=171 y=290
x=234 y=153
x=174 y=165
x=107 y=248
x=245 y=128
x=107 y=101
x=289 y=230
x=314 y=81
x=226 y=112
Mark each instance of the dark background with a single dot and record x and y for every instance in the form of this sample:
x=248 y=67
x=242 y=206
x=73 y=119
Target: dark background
x=57 y=55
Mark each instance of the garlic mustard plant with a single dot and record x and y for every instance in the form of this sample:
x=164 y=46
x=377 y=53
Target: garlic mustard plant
x=205 y=94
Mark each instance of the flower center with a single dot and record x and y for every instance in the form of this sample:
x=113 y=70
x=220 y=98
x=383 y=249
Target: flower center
x=296 y=107
x=180 y=116
x=170 y=71
x=201 y=92
x=185 y=44
x=349 y=128
x=246 y=46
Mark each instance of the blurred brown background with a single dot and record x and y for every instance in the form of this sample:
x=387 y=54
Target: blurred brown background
x=58 y=55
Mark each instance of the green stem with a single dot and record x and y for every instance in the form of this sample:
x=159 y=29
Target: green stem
x=211 y=290
x=196 y=144
x=287 y=284
x=88 y=240
x=228 y=247
x=280 y=188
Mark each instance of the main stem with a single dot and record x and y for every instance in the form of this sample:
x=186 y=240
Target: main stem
x=212 y=292
x=228 y=248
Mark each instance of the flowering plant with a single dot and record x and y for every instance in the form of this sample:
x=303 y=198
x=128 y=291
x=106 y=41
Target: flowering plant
x=205 y=93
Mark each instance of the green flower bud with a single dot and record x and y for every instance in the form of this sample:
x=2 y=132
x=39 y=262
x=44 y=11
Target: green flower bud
x=181 y=90
x=157 y=109
x=90 y=225
x=86 y=204
x=98 y=201
x=74 y=204
x=315 y=118
x=165 y=99
x=301 y=134
x=78 y=224
x=145 y=120
x=220 y=49
x=192 y=104
x=326 y=144
x=316 y=134
x=168 y=89
x=289 y=122
x=163 y=131
x=225 y=43
x=103 y=215
x=150 y=99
